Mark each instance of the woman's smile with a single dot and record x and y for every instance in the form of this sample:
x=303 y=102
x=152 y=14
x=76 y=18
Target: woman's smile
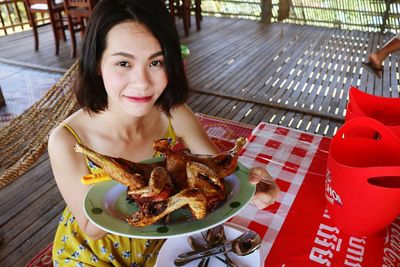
x=139 y=99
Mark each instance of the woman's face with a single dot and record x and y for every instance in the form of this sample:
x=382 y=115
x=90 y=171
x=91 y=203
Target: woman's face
x=132 y=68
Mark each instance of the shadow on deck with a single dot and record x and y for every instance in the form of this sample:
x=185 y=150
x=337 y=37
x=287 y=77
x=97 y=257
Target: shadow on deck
x=291 y=75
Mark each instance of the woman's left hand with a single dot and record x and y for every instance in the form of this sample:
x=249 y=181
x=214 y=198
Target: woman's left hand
x=267 y=190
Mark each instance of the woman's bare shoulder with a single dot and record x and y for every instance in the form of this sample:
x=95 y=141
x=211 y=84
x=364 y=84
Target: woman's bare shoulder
x=61 y=136
x=182 y=115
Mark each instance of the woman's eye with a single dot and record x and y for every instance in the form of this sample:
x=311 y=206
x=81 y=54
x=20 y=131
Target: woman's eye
x=156 y=63
x=123 y=64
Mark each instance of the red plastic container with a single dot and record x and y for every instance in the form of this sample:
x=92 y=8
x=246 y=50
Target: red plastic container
x=362 y=185
x=383 y=109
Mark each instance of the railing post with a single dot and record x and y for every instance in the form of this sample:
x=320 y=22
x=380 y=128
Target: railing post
x=385 y=15
x=9 y=10
x=19 y=13
x=4 y=28
x=266 y=11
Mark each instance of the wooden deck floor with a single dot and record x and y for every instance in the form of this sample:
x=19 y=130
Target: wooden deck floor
x=295 y=76
x=292 y=75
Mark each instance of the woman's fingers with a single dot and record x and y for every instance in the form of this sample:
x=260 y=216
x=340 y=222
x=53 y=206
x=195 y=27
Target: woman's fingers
x=257 y=174
x=267 y=190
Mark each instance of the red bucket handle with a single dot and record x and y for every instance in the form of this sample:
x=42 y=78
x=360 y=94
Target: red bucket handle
x=385 y=134
x=354 y=93
x=352 y=105
x=364 y=122
x=386 y=182
x=387 y=171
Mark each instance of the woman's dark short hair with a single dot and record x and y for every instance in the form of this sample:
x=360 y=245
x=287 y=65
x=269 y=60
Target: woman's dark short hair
x=90 y=91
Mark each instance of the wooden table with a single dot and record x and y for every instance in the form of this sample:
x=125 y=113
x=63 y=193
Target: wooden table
x=184 y=8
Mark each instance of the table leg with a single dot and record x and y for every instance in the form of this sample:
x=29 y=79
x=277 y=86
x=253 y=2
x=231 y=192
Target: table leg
x=2 y=100
x=186 y=15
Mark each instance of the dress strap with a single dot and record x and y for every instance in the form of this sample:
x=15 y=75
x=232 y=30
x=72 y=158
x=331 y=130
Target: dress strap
x=91 y=166
x=69 y=128
x=171 y=132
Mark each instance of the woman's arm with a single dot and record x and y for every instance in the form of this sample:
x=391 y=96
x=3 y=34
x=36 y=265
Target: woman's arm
x=188 y=128
x=68 y=167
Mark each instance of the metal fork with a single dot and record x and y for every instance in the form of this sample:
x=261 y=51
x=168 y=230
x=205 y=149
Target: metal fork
x=227 y=260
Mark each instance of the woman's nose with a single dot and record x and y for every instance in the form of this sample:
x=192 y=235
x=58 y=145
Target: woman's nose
x=140 y=77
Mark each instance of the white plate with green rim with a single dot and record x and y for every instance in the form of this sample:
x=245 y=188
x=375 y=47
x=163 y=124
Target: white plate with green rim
x=106 y=206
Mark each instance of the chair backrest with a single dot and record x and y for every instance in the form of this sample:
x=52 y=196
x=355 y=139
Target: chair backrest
x=39 y=4
x=82 y=4
x=32 y=2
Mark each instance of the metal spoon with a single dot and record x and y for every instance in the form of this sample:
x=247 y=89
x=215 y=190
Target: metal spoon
x=243 y=245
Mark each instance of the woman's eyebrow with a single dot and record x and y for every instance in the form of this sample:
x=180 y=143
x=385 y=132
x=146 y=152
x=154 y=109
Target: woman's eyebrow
x=159 y=53
x=124 y=54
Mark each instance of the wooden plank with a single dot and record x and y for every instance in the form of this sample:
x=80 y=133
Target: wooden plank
x=214 y=102
x=305 y=124
x=295 y=120
x=323 y=127
x=334 y=74
x=218 y=58
x=290 y=61
x=236 y=67
x=9 y=207
x=256 y=63
x=38 y=204
x=394 y=74
x=215 y=111
x=379 y=83
x=242 y=112
x=338 y=99
x=354 y=80
x=302 y=83
x=211 y=45
x=34 y=244
x=263 y=114
x=389 y=67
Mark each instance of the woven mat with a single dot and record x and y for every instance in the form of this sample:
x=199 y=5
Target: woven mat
x=22 y=87
x=223 y=133
x=24 y=139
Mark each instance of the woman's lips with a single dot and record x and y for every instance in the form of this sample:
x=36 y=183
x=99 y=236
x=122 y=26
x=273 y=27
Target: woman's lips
x=139 y=99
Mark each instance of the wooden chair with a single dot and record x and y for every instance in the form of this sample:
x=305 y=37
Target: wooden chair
x=183 y=8
x=78 y=12
x=54 y=9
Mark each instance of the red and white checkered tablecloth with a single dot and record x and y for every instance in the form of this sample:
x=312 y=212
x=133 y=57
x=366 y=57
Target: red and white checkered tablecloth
x=297 y=230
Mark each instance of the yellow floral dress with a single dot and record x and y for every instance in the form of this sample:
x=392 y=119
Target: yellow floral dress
x=73 y=248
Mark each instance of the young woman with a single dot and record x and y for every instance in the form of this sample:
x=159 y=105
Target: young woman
x=132 y=89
